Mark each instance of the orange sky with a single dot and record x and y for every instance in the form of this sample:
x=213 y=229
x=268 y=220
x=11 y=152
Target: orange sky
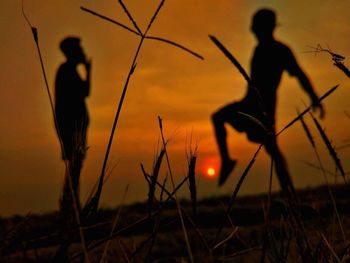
x=168 y=82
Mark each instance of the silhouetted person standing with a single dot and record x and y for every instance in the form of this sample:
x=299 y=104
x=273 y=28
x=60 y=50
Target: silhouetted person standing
x=270 y=59
x=71 y=113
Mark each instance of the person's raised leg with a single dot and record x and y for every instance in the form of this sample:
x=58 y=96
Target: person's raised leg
x=227 y=164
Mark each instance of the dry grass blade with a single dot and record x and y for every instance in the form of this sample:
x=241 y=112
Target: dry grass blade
x=241 y=70
x=256 y=121
x=92 y=206
x=231 y=58
x=145 y=175
x=330 y=248
x=192 y=181
x=108 y=19
x=130 y=16
x=230 y=236
x=176 y=45
x=343 y=68
x=153 y=180
x=329 y=146
x=162 y=189
x=92 y=190
x=142 y=35
x=115 y=224
x=154 y=16
x=241 y=180
x=329 y=92
x=307 y=131
x=36 y=39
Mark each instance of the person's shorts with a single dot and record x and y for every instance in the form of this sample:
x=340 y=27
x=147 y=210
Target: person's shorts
x=245 y=118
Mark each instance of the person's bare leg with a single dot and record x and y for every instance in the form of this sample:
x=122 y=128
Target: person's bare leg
x=227 y=164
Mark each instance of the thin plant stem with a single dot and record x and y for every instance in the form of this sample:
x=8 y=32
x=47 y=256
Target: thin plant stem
x=146 y=37
x=130 y=16
x=75 y=201
x=176 y=199
x=108 y=19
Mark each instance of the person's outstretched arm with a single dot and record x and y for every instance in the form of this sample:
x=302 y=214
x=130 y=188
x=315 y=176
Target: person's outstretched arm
x=306 y=85
x=295 y=70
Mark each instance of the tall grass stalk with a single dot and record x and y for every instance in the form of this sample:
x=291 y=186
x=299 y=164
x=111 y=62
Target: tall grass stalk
x=92 y=206
x=191 y=163
x=231 y=58
x=313 y=144
x=167 y=41
x=75 y=201
x=130 y=16
x=175 y=195
x=329 y=146
x=241 y=71
x=153 y=180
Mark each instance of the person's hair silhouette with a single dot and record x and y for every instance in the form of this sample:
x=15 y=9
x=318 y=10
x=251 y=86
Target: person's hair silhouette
x=71 y=113
x=270 y=59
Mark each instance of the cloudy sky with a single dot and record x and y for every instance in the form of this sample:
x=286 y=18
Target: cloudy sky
x=168 y=82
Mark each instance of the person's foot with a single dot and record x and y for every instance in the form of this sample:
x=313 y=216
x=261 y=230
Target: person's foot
x=226 y=168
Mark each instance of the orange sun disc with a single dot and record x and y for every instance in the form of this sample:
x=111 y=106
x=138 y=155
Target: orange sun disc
x=211 y=172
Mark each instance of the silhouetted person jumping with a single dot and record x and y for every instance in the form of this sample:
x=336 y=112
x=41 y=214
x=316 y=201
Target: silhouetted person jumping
x=71 y=113
x=270 y=59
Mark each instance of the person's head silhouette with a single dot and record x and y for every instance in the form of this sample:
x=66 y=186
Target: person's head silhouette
x=263 y=24
x=71 y=48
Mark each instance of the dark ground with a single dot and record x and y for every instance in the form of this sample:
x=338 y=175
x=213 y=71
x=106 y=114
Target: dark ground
x=160 y=238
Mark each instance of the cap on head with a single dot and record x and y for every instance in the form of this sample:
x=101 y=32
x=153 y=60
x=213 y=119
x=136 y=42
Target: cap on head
x=264 y=21
x=69 y=46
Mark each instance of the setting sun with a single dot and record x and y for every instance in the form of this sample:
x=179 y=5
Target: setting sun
x=211 y=172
